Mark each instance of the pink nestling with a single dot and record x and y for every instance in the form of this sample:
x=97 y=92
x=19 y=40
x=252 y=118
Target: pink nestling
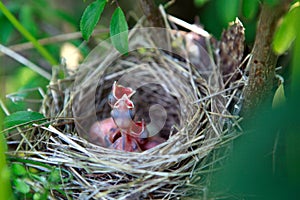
x=102 y=132
x=117 y=93
x=122 y=113
x=120 y=131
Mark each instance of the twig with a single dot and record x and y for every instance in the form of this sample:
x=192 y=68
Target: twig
x=5 y=110
x=217 y=93
x=24 y=61
x=155 y=19
x=152 y=13
x=192 y=27
x=54 y=39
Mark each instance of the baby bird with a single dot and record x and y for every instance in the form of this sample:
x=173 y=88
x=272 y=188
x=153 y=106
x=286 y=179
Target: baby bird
x=117 y=92
x=102 y=132
x=122 y=113
x=120 y=131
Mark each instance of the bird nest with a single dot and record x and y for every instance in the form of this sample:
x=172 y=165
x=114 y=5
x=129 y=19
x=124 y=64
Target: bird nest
x=183 y=79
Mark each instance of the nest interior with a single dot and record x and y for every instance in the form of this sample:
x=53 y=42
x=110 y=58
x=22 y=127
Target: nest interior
x=198 y=123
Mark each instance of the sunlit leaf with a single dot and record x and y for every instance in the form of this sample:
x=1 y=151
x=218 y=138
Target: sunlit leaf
x=21 y=117
x=286 y=33
x=279 y=97
x=72 y=56
x=37 y=196
x=250 y=8
x=119 y=31
x=21 y=186
x=90 y=18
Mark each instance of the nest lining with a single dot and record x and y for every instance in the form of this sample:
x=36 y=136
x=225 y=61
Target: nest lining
x=195 y=131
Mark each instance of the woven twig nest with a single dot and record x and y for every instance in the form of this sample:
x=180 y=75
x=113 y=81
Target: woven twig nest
x=199 y=121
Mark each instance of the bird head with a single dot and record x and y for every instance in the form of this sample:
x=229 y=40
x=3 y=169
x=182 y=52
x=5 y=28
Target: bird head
x=123 y=112
x=118 y=91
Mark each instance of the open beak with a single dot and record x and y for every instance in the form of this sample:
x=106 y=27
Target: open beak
x=118 y=91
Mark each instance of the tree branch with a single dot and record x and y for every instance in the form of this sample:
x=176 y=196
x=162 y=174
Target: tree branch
x=155 y=19
x=263 y=61
x=152 y=13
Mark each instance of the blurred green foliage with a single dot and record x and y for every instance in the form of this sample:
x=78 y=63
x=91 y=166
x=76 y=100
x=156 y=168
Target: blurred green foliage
x=287 y=31
x=41 y=19
x=265 y=162
x=216 y=14
x=32 y=15
x=199 y=3
x=249 y=8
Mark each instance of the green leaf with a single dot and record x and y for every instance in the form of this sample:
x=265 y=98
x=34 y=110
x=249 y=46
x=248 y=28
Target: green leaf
x=279 y=97
x=119 y=31
x=265 y=161
x=21 y=117
x=55 y=176
x=21 y=186
x=90 y=18
x=250 y=8
x=18 y=169
x=39 y=178
x=286 y=33
x=37 y=196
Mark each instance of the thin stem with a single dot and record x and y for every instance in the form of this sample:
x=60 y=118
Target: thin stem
x=27 y=35
x=53 y=39
x=25 y=62
x=3 y=107
x=191 y=27
x=117 y=3
x=152 y=13
x=155 y=19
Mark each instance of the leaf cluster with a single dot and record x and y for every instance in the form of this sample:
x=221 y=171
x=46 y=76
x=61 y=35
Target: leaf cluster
x=33 y=183
x=118 y=24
